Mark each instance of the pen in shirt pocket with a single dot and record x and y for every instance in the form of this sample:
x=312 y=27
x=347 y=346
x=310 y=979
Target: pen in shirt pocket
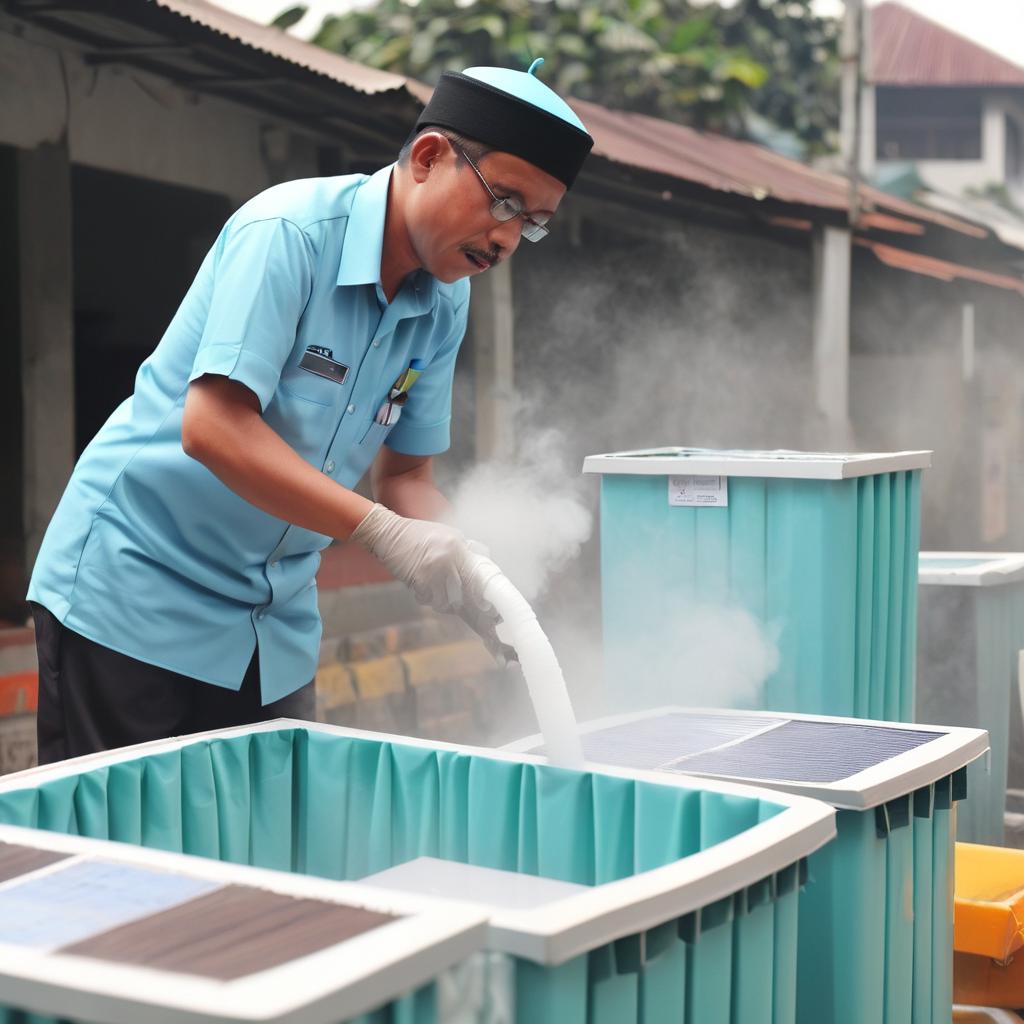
x=391 y=409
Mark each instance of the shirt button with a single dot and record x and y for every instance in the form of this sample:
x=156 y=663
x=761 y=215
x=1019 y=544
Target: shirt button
x=274 y=565
x=262 y=613
x=351 y=409
x=376 y=342
x=329 y=468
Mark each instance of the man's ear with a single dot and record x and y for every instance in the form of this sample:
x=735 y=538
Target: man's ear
x=428 y=149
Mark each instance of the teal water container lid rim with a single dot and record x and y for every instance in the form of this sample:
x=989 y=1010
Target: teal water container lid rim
x=782 y=464
x=970 y=568
x=952 y=749
x=353 y=976
x=557 y=932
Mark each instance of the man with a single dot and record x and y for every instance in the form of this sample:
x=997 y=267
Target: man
x=175 y=588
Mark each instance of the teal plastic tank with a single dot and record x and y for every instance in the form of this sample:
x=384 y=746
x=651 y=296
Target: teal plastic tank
x=876 y=924
x=821 y=549
x=969 y=643
x=688 y=891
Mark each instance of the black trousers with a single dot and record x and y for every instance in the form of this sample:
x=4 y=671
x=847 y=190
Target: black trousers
x=92 y=698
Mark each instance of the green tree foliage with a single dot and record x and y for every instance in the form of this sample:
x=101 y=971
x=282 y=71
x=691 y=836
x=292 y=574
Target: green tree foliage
x=800 y=93
x=701 y=64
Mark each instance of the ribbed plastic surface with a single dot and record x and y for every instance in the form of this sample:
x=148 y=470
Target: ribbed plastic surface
x=344 y=807
x=875 y=935
x=829 y=568
x=968 y=666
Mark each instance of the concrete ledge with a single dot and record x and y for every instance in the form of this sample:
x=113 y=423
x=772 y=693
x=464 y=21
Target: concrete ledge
x=381 y=677
x=17 y=743
x=17 y=650
x=447 y=663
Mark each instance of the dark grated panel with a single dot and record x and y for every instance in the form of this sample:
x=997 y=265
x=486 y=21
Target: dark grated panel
x=231 y=933
x=20 y=860
x=794 y=750
x=808 y=752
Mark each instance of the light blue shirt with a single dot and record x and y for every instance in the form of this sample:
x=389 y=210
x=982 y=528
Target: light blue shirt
x=148 y=552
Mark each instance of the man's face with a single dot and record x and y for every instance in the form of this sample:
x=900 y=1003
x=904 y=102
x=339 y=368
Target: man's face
x=449 y=215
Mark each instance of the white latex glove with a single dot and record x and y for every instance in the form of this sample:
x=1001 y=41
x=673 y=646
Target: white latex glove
x=442 y=568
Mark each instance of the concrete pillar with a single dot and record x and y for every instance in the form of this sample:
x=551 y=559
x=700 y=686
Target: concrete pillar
x=832 y=331
x=493 y=327
x=851 y=100
x=868 y=133
x=46 y=335
x=993 y=140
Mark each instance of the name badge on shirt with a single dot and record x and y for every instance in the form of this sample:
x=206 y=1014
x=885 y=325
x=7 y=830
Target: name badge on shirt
x=321 y=361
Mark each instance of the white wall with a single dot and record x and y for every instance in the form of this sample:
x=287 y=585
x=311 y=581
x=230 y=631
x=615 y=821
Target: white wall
x=118 y=119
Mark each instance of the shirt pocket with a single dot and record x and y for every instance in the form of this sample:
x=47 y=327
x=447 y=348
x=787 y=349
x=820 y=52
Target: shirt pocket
x=306 y=421
x=375 y=434
x=373 y=428
x=362 y=454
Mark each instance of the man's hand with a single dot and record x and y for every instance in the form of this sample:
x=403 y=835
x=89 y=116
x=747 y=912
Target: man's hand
x=441 y=567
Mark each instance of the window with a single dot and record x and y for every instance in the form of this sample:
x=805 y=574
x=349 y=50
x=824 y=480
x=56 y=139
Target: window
x=928 y=124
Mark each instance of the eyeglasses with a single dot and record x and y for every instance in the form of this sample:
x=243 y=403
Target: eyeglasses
x=509 y=208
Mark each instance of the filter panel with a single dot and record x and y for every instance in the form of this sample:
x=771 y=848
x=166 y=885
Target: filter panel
x=657 y=742
x=796 y=751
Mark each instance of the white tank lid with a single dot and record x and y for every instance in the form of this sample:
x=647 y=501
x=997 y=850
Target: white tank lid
x=970 y=568
x=732 y=462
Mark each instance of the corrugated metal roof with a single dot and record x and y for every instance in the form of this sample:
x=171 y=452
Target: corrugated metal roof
x=942 y=270
x=727 y=166
x=1004 y=225
x=634 y=140
x=730 y=165
x=280 y=44
x=909 y=49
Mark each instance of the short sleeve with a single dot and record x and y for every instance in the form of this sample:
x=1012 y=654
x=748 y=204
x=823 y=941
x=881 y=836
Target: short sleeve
x=262 y=278
x=424 y=427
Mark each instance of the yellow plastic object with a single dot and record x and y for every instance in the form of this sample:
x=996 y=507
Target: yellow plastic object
x=988 y=915
x=982 y=981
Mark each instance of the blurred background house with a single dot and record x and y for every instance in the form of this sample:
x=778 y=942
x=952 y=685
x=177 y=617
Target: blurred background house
x=948 y=106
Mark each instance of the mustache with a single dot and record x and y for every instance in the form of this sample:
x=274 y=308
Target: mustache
x=490 y=256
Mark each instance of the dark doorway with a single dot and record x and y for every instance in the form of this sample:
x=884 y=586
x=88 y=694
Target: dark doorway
x=12 y=539
x=137 y=246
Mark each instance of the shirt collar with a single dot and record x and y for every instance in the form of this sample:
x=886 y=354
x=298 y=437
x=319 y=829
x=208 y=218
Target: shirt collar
x=364 y=243
x=364 y=235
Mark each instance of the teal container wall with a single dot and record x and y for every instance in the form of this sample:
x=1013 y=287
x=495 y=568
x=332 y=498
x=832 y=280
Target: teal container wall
x=876 y=927
x=342 y=807
x=971 y=680
x=830 y=565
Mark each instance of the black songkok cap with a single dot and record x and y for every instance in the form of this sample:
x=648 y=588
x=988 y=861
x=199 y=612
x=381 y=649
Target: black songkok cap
x=514 y=112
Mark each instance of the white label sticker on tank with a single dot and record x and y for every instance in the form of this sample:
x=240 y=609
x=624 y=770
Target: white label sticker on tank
x=704 y=491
